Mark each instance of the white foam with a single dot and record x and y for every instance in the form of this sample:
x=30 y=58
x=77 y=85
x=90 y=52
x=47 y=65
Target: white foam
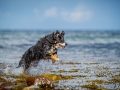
x=95 y=41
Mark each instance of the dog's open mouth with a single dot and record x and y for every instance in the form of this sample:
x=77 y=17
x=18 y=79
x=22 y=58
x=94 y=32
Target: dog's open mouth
x=62 y=45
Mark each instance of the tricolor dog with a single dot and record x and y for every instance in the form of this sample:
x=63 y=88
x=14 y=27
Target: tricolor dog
x=45 y=48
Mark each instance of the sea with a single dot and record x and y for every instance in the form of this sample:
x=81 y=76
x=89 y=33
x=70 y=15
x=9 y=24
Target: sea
x=91 y=49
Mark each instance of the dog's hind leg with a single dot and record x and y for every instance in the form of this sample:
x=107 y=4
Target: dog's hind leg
x=26 y=65
x=20 y=63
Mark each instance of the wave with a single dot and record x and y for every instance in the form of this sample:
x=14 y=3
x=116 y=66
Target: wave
x=93 y=37
x=24 y=38
x=95 y=41
x=79 y=43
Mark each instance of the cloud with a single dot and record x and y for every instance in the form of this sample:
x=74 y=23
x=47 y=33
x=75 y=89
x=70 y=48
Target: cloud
x=48 y=13
x=52 y=12
x=78 y=14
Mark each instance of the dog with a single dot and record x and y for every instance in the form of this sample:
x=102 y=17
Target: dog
x=45 y=48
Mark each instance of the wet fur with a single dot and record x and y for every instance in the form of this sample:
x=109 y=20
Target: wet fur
x=43 y=49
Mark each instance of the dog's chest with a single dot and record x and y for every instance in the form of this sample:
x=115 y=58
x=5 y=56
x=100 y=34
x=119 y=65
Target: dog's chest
x=52 y=50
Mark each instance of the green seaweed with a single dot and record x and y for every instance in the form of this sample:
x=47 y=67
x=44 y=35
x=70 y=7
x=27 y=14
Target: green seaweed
x=99 y=72
x=70 y=63
x=97 y=81
x=115 y=79
x=57 y=77
x=93 y=86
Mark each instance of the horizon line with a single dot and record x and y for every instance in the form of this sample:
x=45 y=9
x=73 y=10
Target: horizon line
x=60 y=29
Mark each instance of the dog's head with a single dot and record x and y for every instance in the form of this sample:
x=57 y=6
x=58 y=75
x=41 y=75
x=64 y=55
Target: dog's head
x=58 y=39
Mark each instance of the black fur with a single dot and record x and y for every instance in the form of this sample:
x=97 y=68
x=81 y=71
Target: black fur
x=42 y=49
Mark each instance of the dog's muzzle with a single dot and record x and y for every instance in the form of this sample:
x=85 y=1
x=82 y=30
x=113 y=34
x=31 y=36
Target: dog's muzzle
x=63 y=45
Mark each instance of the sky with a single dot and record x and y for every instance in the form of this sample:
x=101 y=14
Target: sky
x=60 y=14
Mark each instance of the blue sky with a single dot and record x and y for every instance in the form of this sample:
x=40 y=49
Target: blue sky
x=60 y=14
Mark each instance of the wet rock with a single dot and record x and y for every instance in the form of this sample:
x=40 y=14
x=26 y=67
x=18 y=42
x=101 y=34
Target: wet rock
x=40 y=81
x=2 y=88
x=2 y=80
x=7 y=85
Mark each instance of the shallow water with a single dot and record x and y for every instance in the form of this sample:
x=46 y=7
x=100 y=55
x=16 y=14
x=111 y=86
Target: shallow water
x=89 y=56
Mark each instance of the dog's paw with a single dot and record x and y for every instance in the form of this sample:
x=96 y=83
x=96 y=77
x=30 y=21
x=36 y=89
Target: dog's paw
x=58 y=59
x=54 y=57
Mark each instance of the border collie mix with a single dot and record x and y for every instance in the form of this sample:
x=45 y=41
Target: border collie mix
x=45 y=48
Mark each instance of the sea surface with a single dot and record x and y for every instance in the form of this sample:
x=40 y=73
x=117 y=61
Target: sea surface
x=90 y=49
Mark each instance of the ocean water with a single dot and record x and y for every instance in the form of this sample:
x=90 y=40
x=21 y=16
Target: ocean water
x=85 y=47
x=103 y=46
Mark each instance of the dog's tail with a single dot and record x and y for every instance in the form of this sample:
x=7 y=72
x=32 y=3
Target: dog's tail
x=20 y=63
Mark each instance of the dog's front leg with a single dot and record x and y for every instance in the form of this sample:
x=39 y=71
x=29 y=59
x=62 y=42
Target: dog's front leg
x=54 y=58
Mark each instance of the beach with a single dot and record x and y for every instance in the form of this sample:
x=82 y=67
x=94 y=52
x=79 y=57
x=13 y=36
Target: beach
x=91 y=59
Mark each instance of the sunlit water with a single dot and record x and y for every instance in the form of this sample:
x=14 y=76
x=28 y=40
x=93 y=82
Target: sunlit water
x=88 y=50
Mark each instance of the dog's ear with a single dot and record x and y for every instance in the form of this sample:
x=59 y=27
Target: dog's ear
x=53 y=35
x=62 y=33
x=57 y=32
